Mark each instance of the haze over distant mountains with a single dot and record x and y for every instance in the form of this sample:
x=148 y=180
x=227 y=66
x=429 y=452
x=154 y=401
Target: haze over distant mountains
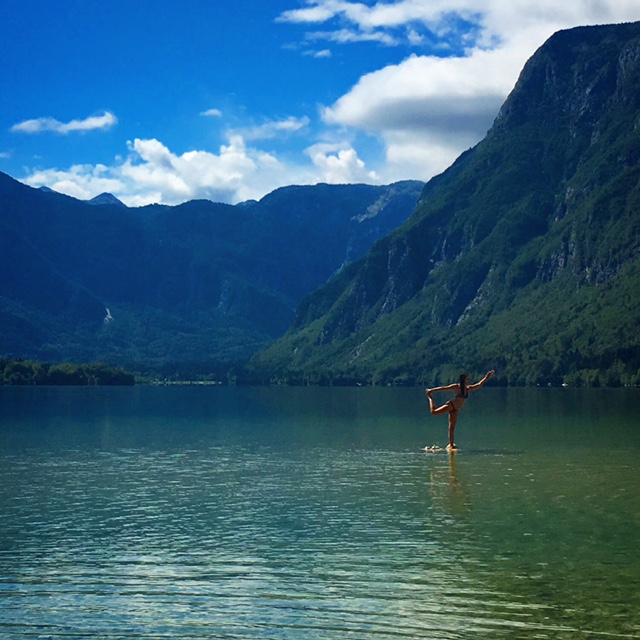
x=174 y=288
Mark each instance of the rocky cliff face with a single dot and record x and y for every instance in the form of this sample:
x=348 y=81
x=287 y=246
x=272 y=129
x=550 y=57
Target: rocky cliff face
x=550 y=194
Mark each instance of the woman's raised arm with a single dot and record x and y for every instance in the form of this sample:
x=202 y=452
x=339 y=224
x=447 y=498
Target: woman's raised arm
x=477 y=385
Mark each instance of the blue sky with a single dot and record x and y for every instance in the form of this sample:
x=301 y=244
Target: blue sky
x=167 y=101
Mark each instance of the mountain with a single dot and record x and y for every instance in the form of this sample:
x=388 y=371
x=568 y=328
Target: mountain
x=523 y=256
x=169 y=288
x=106 y=198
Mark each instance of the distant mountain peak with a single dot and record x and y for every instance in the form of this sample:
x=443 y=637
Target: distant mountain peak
x=106 y=198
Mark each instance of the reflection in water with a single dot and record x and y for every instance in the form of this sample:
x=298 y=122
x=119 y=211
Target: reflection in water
x=449 y=491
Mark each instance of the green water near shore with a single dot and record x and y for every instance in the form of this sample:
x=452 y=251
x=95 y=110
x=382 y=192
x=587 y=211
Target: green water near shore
x=288 y=513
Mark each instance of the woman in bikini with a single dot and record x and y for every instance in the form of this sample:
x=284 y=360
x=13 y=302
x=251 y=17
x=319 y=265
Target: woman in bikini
x=452 y=407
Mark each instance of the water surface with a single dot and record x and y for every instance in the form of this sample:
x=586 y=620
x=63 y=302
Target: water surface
x=207 y=512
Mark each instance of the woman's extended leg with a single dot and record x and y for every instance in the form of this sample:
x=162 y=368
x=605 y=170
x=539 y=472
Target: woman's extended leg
x=445 y=408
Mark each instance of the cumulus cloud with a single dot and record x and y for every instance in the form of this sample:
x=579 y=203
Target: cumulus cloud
x=39 y=125
x=152 y=173
x=232 y=175
x=443 y=98
x=339 y=164
x=450 y=95
x=427 y=110
x=80 y=181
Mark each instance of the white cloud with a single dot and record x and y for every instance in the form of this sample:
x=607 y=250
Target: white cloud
x=424 y=92
x=344 y=36
x=80 y=181
x=431 y=107
x=274 y=128
x=152 y=173
x=310 y=52
x=427 y=110
x=321 y=12
x=381 y=16
x=339 y=164
x=416 y=39
x=39 y=125
x=496 y=17
x=235 y=174
x=423 y=111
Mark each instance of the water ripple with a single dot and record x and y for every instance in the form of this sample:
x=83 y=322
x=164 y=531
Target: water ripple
x=232 y=542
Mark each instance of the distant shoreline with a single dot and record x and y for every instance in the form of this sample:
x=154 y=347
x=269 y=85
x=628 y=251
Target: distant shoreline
x=17 y=372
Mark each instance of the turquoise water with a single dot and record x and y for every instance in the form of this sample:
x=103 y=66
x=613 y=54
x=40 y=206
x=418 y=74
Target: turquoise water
x=208 y=512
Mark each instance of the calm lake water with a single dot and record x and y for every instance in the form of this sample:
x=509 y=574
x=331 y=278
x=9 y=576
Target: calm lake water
x=210 y=512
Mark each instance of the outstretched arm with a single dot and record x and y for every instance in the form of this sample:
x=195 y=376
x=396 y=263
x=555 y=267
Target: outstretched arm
x=477 y=385
x=449 y=387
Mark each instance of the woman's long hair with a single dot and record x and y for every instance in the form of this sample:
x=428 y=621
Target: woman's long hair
x=463 y=385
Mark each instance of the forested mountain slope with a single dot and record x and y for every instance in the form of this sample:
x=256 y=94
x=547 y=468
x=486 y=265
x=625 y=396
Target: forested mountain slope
x=524 y=256
x=193 y=287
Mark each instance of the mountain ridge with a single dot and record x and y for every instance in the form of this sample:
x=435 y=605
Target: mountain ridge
x=196 y=283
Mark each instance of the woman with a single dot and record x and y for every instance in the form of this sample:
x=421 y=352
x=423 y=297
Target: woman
x=453 y=406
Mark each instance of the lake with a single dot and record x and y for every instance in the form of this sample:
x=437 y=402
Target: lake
x=218 y=512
